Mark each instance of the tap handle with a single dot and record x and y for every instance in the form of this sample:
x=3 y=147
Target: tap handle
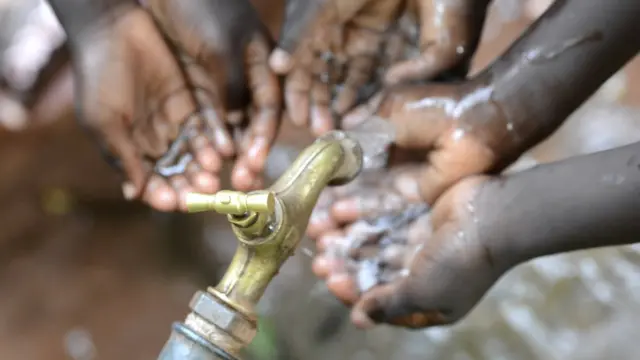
x=233 y=202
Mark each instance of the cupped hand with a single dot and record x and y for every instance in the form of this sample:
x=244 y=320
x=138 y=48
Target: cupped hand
x=133 y=97
x=457 y=129
x=329 y=50
x=225 y=50
x=449 y=35
x=411 y=268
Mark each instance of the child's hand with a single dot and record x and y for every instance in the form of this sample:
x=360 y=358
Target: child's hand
x=225 y=51
x=329 y=43
x=457 y=129
x=133 y=96
x=428 y=270
x=449 y=35
x=331 y=49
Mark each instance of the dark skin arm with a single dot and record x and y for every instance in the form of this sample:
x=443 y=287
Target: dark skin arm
x=484 y=226
x=585 y=202
x=557 y=65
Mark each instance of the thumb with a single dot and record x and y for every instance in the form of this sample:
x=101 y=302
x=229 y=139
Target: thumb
x=407 y=109
x=390 y=304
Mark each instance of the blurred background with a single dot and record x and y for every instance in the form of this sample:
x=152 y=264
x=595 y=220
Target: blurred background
x=85 y=275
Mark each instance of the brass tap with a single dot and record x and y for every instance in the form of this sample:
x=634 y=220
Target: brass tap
x=269 y=225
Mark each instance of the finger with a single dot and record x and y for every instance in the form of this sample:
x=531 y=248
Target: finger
x=210 y=102
x=206 y=156
x=182 y=187
x=363 y=49
x=159 y=195
x=202 y=181
x=267 y=102
x=242 y=178
x=218 y=133
x=416 y=121
x=280 y=61
x=148 y=139
x=320 y=222
x=371 y=204
x=322 y=266
x=363 y=112
x=329 y=239
x=121 y=145
x=321 y=118
x=344 y=287
x=445 y=34
x=297 y=91
x=446 y=167
x=359 y=72
x=428 y=65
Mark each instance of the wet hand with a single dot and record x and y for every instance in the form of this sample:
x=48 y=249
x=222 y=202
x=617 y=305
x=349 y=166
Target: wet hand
x=449 y=35
x=456 y=129
x=426 y=270
x=329 y=51
x=134 y=98
x=225 y=51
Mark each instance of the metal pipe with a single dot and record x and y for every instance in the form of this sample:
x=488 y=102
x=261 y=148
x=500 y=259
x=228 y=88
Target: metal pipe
x=185 y=343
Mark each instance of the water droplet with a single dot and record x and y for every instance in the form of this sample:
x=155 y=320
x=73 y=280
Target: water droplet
x=458 y=134
x=79 y=345
x=510 y=127
x=460 y=50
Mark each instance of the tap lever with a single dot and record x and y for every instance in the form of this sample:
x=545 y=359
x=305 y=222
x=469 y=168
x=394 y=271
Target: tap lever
x=233 y=203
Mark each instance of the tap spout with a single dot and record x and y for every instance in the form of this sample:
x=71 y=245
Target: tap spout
x=331 y=160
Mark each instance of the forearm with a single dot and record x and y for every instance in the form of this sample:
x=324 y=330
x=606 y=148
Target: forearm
x=78 y=16
x=584 y=202
x=560 y=62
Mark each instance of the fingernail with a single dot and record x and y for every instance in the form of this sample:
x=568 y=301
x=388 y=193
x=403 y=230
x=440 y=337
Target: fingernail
x=129 y=191
x=280 y=61
x=320 y=121
x=258 y=147
x=223 y=142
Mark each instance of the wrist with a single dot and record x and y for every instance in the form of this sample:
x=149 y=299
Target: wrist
x=490 y=206
x=488 y=123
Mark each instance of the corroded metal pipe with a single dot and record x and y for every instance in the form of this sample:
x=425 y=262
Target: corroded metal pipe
x=185 y=343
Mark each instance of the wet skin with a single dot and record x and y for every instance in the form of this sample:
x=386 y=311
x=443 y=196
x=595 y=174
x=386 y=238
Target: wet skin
x=329 y=50
x=481 y=126
x=484 y=226
x=225 y=49
x=132 y=95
